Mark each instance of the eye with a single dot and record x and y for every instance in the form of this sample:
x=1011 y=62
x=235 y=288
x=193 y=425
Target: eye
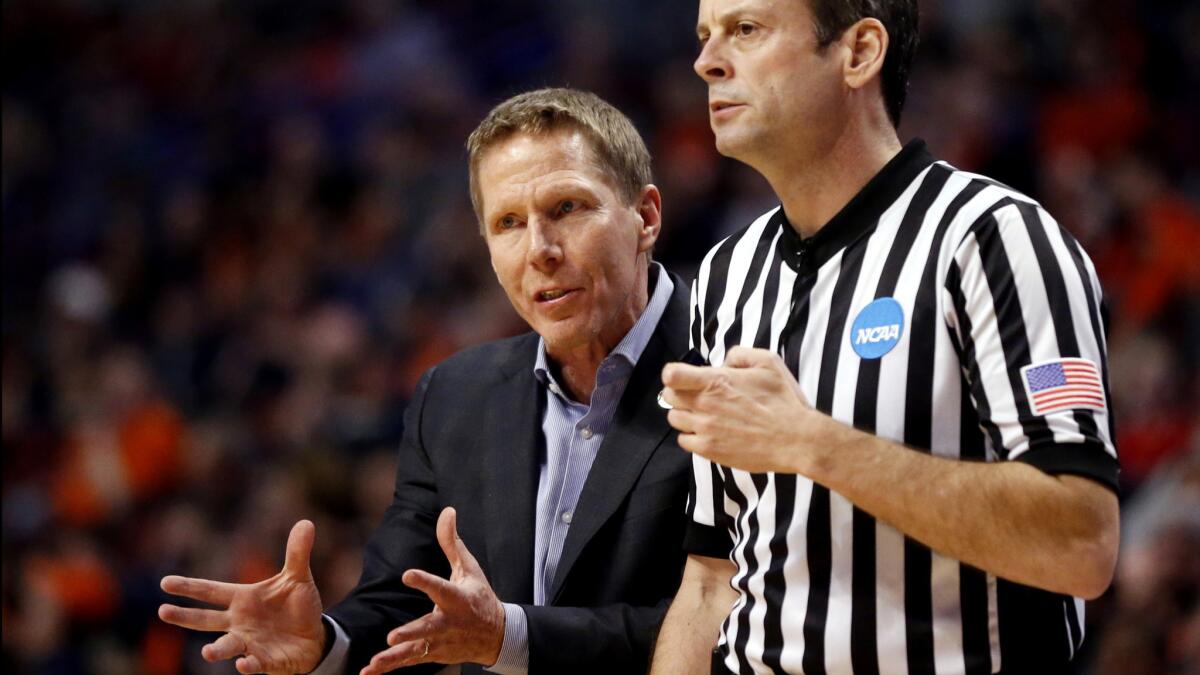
x=567 y=206
x=507 y=223
x=744 y=29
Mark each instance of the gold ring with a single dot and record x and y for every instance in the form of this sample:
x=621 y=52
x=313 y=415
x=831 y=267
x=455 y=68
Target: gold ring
x=426 y=649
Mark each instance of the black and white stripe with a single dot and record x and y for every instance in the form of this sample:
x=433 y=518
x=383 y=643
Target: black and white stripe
x=988 y=283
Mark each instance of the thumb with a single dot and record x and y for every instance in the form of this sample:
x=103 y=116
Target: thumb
x=299 y=549
x=447 y=536
x=453 y=546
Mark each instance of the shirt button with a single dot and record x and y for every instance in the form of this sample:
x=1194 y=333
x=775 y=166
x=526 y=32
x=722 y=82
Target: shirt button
x=566 y=517
x=586 y=432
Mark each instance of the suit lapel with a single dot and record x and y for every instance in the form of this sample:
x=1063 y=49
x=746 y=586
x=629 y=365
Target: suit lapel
x=514 y=419
x=639 y=427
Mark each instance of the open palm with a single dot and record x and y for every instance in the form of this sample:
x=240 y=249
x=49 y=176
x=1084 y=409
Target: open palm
x=273 y=626
x=467 y=621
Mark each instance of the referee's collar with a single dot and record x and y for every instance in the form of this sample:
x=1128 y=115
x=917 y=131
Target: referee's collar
x=860 y=215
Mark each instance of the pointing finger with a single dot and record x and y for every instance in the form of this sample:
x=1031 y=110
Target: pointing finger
x=299 y=549
x=195 y=619
x=225 y=647
x=212 y=592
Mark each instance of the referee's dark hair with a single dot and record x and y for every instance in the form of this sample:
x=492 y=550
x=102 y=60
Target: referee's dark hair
x=899 y=18
x=616 y=144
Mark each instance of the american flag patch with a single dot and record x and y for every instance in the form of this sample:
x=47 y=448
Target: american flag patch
x=1063 y=384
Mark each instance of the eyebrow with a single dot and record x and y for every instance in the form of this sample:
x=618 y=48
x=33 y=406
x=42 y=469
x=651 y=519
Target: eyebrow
x=499 y=208
x=725 y=15
x=505 y=203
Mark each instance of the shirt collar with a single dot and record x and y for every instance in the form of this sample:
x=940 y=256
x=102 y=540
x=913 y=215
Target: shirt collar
x=630 y=348
x=859 y=216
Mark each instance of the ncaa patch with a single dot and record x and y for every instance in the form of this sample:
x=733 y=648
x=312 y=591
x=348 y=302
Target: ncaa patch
x=877 y=328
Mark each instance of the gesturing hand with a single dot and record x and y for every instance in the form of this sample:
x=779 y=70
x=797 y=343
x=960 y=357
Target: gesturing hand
x=274 y=626
x=467 y=622
x=747 y=414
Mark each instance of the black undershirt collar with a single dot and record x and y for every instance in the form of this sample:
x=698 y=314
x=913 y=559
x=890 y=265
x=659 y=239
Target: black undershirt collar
x=858 y=217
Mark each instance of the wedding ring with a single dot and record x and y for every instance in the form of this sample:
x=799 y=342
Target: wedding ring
x=662 y=402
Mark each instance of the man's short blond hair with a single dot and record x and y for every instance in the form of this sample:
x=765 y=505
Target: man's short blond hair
x=618 y=149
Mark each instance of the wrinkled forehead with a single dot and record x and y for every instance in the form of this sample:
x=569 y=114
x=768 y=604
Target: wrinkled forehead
x=563 y=143
x=523 y=159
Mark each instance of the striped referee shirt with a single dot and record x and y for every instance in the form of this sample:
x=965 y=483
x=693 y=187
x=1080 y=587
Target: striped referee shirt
x=939 y=309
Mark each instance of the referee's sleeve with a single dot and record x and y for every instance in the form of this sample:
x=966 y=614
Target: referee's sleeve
x=706 y=533
x=1024 y=305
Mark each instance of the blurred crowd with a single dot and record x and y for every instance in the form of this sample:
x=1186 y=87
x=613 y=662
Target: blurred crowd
x=236 y=233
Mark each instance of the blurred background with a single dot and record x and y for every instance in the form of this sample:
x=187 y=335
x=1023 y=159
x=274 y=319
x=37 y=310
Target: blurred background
x=235 y=233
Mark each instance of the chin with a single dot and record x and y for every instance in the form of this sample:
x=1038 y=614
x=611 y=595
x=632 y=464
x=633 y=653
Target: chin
x=730 y=145
x=753 y=151
x=563 y=338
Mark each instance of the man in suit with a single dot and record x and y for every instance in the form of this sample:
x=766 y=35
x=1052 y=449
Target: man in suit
x=538 y=513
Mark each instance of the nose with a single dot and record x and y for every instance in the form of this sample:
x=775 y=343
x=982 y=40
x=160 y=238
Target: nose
x=710 y=65
x=545 y=251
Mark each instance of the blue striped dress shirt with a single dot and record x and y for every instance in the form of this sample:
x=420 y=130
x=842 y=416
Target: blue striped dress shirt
x=573 y=433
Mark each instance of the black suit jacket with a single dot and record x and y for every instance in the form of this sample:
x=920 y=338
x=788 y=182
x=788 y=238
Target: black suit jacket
x=473 y=440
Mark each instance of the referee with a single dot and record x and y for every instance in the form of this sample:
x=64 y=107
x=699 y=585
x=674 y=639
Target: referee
x=903 y=456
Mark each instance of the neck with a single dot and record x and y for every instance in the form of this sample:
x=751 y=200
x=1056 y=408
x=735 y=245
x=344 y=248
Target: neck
x=814 y=187
x=578 y=375
x=578 y=365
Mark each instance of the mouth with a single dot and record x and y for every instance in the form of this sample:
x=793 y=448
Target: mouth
x=721 y=106
x=553 y=295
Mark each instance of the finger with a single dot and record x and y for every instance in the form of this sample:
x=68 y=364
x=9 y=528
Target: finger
x=683 y=421
x=470 y=566
x=683 y=377
x=418 y=629
x=466 y=560
x=678 y=399
x=195 y=619
x=438 y=589
x=225 y=647
x=702 y=389
x=747 y=357
x=403 y=654
x=299 y=549
x=204 y=590
x=249 y=665
x=447 y=535
x=698 y=445
x=767 y=366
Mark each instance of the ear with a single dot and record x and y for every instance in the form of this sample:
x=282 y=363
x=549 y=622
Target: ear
x=649 y=207
x=866 y=43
